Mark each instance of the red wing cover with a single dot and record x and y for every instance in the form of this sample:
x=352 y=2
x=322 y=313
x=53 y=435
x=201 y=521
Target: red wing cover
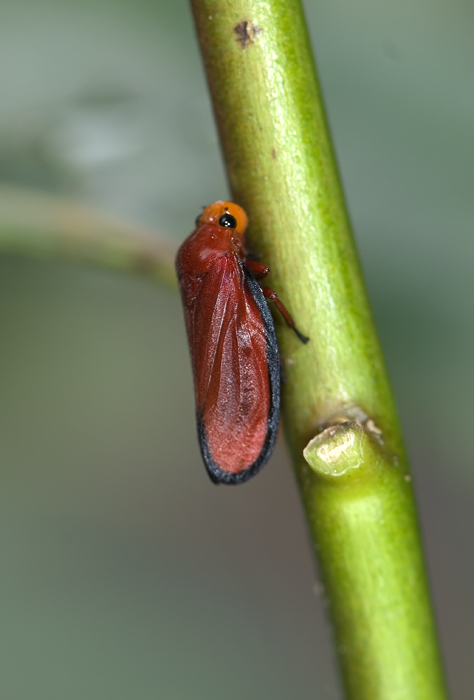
x=236 y=371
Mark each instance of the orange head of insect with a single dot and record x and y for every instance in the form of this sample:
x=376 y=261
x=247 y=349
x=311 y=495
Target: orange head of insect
x=230 y=219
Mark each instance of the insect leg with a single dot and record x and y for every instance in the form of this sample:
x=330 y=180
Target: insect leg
x=258 y=269
x=270 y=294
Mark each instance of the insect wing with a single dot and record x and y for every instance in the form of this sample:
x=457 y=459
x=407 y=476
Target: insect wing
x=236 y=372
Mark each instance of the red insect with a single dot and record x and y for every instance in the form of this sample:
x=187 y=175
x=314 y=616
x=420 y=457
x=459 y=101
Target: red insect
x=233 y=345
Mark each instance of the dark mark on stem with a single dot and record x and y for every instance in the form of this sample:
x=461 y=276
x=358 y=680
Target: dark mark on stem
x=246 y=33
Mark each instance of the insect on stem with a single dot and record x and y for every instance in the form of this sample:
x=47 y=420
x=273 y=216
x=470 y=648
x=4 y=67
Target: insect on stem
x=233 y=345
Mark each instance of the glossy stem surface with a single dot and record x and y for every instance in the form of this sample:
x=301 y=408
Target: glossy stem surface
x=281 y=169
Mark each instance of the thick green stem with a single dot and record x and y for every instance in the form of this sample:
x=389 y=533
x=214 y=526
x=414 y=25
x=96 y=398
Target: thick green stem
x=362 y=518
x=44 y=226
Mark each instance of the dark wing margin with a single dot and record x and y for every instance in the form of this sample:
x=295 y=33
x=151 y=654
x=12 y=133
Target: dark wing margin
x=216 y=474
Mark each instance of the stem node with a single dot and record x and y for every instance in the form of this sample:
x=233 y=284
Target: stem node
x=343 y=453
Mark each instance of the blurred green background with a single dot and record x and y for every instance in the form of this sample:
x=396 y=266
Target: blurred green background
x=125 y=573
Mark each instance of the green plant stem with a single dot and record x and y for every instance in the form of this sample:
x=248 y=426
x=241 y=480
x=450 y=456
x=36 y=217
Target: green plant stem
x=281 y=168
x=44 y=226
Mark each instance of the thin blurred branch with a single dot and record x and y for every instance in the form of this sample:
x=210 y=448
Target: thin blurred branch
x=44 y=226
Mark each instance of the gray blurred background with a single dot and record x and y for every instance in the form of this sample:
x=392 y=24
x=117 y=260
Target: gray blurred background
x=125 y=573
